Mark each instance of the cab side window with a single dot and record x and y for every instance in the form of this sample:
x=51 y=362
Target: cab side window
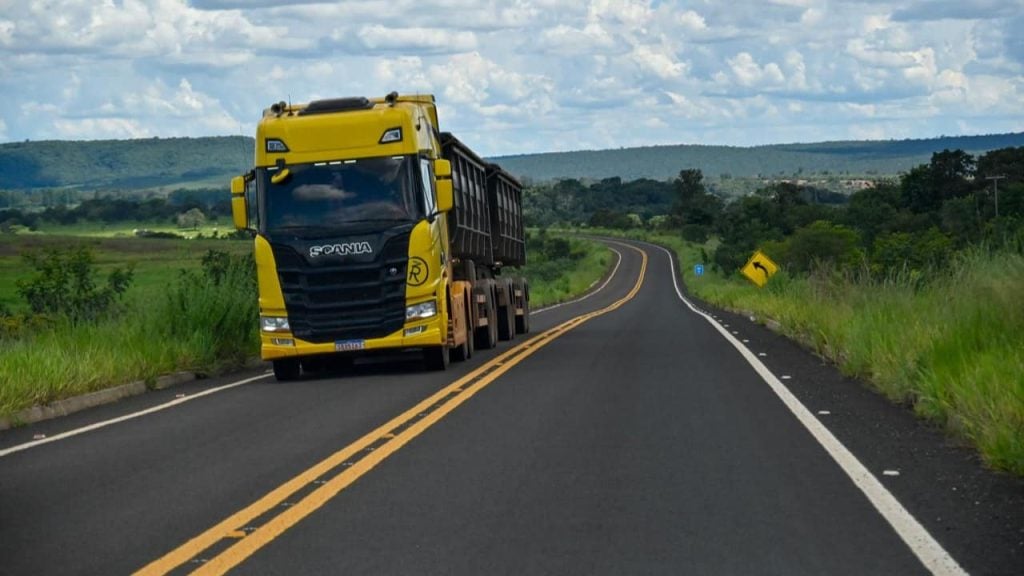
x=427 y=174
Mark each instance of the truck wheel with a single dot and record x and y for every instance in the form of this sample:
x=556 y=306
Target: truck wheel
x=469 y=270
x=487 y=336
x=507 y=314
x=523 y=322
x=465 y=352
x=287 y=369
x=437 y=357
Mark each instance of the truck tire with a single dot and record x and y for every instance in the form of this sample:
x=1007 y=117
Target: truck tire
x=437 y=357
x=469 y=270
x=506 y=313
x=487 y=336
x=465 y=352
x=287 y=369
x=523 y=322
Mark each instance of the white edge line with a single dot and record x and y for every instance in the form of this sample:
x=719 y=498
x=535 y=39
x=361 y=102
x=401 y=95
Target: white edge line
x=112 y=421
x=588 y=294
x=934 y=557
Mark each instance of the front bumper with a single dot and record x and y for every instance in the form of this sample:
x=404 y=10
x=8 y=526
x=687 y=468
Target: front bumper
x=429 y=333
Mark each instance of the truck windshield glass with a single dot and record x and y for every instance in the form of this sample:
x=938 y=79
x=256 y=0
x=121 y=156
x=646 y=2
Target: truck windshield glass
x=367 y=193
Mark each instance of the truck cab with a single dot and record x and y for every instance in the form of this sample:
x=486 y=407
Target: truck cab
x=347 y=203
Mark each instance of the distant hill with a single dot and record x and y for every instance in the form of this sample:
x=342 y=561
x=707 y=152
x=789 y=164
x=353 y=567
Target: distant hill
x=123 y=164
x=170 y=162
x=889 y=157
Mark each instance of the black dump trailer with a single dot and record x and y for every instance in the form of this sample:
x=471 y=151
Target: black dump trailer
x=485 y=229
x=505 y=197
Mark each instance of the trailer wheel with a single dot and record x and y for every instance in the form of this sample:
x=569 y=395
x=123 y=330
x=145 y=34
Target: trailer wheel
x=287 y=369
x=506 y=313
x=523 y=322
x=437 y=357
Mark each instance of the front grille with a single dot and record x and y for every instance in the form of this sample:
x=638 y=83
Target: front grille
x=342 y=300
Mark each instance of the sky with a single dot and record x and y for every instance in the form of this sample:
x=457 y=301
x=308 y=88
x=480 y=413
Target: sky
x=521 y=76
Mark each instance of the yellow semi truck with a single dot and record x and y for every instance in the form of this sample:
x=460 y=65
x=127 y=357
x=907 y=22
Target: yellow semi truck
x=376 y=231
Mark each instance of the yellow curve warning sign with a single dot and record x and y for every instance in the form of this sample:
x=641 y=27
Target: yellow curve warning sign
x=759 y=269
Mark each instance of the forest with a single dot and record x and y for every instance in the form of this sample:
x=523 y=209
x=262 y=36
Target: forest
x=917 y=220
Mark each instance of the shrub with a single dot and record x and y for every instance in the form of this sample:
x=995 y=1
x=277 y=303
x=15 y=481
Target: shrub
x=729 y=258
x=64 y=284
x=901 y=250
x=216 y=309
x=697 y=233
x=823 y=243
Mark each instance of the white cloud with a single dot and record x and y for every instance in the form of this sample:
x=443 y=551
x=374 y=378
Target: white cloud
x=99 y=128
x=411 y=40
x=522 y=75
x=405 y=71
x=3 y=129
x=692 y=21
x=6 y=32
x=658 y=61
x=566 y=40
x=747 y=72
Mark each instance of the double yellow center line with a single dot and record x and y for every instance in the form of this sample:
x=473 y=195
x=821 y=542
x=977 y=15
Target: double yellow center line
x=240 y=535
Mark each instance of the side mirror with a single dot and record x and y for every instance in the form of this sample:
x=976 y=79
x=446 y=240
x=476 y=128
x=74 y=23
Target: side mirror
x=445 y=192
x=239 y=204
x=445 y=196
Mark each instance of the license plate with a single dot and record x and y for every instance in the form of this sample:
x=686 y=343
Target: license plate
x=349 y=345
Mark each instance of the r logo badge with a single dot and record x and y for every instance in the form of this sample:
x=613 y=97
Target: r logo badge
x=419 y=272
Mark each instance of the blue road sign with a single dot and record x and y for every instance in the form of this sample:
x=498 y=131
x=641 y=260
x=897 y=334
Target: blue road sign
x=698 y=269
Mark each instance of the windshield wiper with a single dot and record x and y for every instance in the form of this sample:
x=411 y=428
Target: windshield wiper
x=305 y=231
x=363 y=220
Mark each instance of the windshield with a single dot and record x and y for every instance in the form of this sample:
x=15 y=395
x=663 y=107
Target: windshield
x=314 y=199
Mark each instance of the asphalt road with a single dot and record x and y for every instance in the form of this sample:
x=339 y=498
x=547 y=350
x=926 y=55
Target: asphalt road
x=626 y=435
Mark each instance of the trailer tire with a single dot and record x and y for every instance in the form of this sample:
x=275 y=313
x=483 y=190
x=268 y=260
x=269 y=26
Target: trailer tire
x=506 y=313
x=523 y=322
x=287 y=369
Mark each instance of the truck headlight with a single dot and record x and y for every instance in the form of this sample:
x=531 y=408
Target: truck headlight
x=274 y=324
x=422 y=310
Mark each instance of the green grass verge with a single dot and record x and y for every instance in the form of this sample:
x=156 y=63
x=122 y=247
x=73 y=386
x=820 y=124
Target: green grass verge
x=197 y=324
x=951 y=345
x=559 y=280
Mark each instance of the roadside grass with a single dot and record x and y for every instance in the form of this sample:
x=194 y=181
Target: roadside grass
x=198 y=325
x=949 y=343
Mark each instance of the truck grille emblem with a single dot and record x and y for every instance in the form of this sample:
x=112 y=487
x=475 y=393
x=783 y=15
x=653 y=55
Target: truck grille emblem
x=341 y=249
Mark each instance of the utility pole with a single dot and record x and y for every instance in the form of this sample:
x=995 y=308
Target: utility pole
x=995 y=188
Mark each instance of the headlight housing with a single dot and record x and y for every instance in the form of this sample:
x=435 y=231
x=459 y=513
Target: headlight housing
x=274 y=324
x=421 y=310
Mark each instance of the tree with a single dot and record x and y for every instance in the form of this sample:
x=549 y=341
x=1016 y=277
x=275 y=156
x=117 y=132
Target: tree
x=872 y=211
x=948 y=175
x=193 y=218
x=694 y=205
